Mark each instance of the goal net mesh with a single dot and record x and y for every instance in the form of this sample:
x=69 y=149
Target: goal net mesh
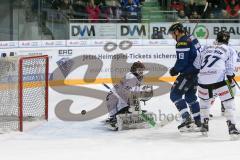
x=23 y=90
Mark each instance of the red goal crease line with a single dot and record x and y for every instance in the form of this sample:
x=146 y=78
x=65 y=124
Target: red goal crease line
x=88 y=81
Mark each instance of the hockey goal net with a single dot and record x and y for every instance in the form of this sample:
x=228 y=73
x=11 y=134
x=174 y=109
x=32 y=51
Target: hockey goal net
x=23 y=90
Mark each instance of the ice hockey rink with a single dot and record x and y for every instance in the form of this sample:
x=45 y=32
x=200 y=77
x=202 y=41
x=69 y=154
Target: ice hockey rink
x=90 y=140
x=87 y=49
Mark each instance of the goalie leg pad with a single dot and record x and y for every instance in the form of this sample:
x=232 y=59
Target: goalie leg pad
x=132 y=121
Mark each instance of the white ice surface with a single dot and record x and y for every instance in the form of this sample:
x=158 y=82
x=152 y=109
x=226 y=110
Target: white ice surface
x=59 y=140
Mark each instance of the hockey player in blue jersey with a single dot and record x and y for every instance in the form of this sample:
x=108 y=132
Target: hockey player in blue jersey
x=187 y=47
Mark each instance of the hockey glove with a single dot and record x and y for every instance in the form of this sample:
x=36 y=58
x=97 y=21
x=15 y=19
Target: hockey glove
x=190 y=76
x=173 y=72
x=230 y=78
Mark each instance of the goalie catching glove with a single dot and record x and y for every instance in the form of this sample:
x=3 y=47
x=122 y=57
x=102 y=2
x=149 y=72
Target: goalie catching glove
x=146 y=93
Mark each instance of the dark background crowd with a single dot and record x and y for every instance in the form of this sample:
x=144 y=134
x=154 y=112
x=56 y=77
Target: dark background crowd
x=55 y=15
x=125 y=10
x=100 y=10
x=192 y=10
x=97 y=11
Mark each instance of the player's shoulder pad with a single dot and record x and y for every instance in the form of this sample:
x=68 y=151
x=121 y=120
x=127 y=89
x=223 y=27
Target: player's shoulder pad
x=232 y=49
x=129 y=75
x=182 y=44
x=207 y=47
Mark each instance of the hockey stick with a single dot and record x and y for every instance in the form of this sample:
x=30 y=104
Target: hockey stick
x=145 y=117
x=204 y=10
x=236 y=83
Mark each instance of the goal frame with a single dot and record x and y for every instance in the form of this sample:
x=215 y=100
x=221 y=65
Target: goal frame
x=21 y=87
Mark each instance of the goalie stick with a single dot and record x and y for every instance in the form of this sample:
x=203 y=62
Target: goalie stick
x=145 y=117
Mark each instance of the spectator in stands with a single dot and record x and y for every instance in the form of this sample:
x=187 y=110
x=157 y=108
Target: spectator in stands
x=115 y=9
x=187 y=9
x=141 y=2
x=182 y=17
x=233 y=7
x=210 y=17
x=224 y=15
x=27 y=7
x=220 y=3
x=79 y=8
x=177 y=5
x=66 y=8
x=105 y=11
x=55 y=4
x=200 y=5
x=65 y=4
x=163 y=4
x=191 y=7
x=131 y=12
x=93 y=12
x=125 y=2
x=216 y=10
x=194 y=17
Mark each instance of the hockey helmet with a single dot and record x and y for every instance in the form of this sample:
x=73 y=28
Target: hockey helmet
x=137 y=69
x=176 y=26
x=223 y=37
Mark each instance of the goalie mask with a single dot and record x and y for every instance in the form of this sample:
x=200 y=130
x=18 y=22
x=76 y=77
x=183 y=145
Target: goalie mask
x=137 y=69
x=223 y=37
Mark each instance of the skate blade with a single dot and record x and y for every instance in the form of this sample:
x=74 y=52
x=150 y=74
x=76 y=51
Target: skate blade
x=187 y=129
x=234 y=137
x=196 y=129
x=190 y=131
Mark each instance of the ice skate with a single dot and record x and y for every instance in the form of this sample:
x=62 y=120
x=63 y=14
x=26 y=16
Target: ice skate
x=111 y=123
x=187 y=125
x=197 y=126
x=233 y=132
x=204 y=129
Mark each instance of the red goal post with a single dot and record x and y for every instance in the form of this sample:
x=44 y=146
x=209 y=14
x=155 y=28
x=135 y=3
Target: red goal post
x=23 y=90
